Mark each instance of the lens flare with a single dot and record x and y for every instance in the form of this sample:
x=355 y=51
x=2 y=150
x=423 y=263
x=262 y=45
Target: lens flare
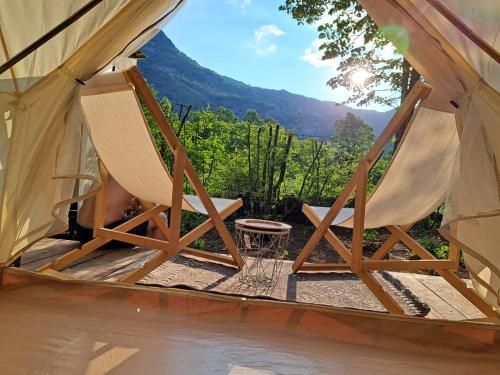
x=359 y=77
x=398 y=36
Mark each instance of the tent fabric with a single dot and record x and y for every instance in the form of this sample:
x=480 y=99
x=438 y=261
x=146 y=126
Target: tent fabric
x=484 y=20
x=74 y=327
x=417 y=180
x=125 y=145
x=466 y=76
x=40 y=135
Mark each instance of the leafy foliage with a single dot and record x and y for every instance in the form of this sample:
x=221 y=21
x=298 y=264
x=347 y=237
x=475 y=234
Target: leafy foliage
x=265 y=164
x=436 y=246
x=349 y=34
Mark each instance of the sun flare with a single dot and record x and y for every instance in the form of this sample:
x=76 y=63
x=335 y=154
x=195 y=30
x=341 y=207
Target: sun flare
x=359 y=77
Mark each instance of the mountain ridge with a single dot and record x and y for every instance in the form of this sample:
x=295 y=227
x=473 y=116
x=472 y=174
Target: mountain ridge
x=182 y=80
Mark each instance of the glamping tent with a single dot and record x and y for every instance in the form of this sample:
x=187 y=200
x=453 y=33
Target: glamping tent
x=81 y=327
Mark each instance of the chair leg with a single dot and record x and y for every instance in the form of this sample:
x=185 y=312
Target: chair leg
x=324 y=225
x=449 y=276
x=147 y=268
x=378 y=291
x=332 y=239
x=174 y=231
x=468 y=293
x=216 y=218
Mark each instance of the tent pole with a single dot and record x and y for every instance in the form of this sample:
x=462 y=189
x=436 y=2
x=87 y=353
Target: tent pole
x=466 y=30
x=48 y=36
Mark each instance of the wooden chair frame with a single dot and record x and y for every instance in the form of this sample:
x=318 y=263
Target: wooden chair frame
x=353 y=259
x=175 y=243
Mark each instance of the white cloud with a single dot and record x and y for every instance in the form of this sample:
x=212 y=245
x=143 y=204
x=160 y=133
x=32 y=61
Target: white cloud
x=262 y=44
x=313 y=56
x=243 y=4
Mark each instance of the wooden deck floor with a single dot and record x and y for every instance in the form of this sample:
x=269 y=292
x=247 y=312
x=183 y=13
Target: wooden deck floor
x=444 y=301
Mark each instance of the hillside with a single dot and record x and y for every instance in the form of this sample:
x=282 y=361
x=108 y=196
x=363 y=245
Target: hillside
x=183 y=80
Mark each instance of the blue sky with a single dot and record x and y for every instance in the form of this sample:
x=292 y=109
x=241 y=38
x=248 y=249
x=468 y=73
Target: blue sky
x=253 y=42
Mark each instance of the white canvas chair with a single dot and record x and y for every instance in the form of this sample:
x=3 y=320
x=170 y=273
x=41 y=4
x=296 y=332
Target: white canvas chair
x=126 y=149
x=414 y=185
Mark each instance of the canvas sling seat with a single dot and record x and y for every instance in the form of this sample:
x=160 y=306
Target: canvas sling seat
x=417 y=180
x=414 y=185
x=124 y=143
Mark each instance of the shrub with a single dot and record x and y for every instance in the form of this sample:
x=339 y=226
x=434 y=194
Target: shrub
x=436 y=246
x=371 y=234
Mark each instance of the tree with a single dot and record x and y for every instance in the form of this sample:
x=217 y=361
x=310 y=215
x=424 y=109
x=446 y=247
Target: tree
x=353 y=136
x=348 y=33
x=226 y=115
x=252 y=117
x=352 y=140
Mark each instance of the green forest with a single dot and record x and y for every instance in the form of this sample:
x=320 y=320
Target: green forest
x=275 y=172
x=264 y=163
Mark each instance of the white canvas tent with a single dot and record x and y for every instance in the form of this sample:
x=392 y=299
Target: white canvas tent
x=40 y=141
x=43 y=152
x=75 y=327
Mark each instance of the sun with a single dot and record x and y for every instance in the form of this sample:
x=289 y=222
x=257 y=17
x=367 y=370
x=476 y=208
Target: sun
x=359 y=77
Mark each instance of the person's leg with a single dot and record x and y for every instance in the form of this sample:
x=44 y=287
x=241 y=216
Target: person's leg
x=154 y=230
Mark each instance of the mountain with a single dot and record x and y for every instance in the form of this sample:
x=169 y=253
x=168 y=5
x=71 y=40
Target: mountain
x=183 y=80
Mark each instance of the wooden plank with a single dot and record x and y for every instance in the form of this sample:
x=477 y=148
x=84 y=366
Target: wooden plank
x=226 y=259
x=47 y=248
x=440 y=309
x=454 y=255
x=39 y=264
x=378 y=291
x=134 y=239
x=111 y=260
x=126 y=269
x=411 y=243
x=453 y=279
x=160 y=223
x=157 y=260
x=449 y=294
x=324 y=267
x=407 y=265
x=468 y=293
x=359 y=217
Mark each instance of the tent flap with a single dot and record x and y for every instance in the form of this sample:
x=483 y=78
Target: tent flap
x=44 y=145
x=461 y=72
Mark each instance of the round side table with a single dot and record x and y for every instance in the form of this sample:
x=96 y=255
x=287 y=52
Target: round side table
x=262 y=245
